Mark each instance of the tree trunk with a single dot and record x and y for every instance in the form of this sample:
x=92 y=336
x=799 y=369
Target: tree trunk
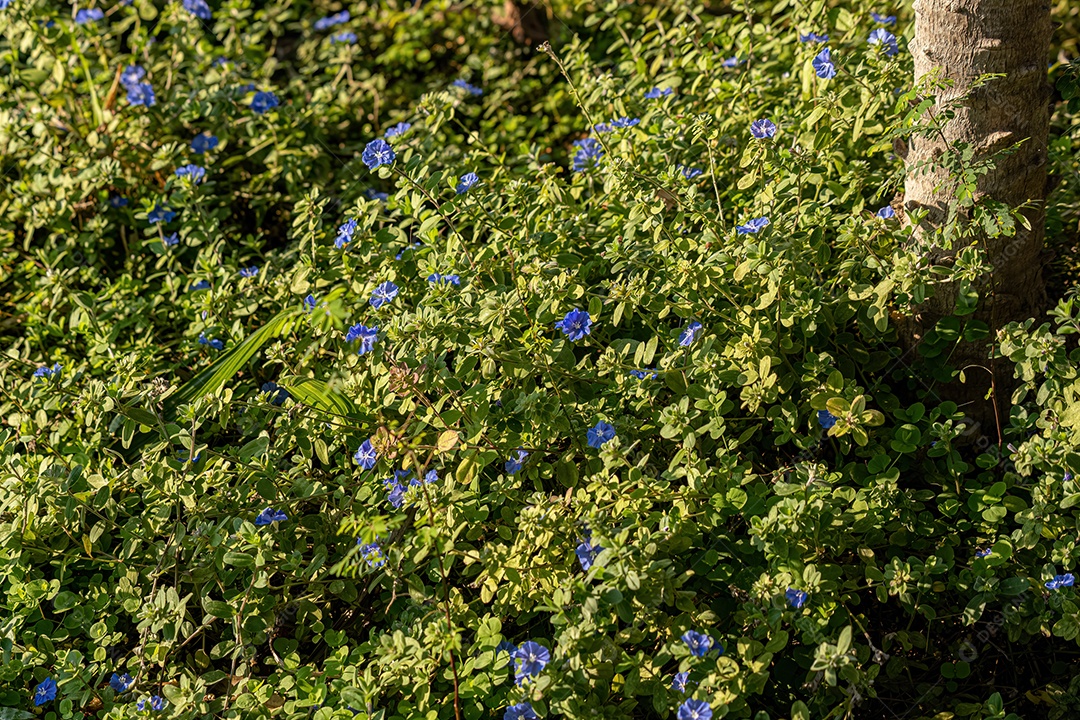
x=965 y=39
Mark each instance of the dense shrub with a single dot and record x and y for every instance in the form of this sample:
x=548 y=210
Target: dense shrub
x=301 y=425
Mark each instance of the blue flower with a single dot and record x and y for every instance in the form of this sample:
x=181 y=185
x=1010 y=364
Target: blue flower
x=372 y=553
x=587 y=552
x=575 y=325
x=883 y=19
x=530 y=659
x=198 y=8
x=762 y=129
x=263 y=101
x=468 y=180
x=396 y=496
x=823 y=65
x=689 y=333
x=982 y=553
x=132 y=75
x=436 y=278
x=813 y=37
x=156 y=702
x=346 y=37
x=278 y=395
x=646 y=374
x=118 y=201
x=752 y=227
x=184 y=456
x=678 y=683
x=689 y=173
x=825 y=419
x=471 y=89
x=309 y=303
x=516 y=462
x=204 y=142
x=624 y=122
x=201 y=285
x=141 y=94
x=159 y=214
x=506 y=647
x=366 y=456
x=371 y=194
x=1060 y=581
x=270 y=515
x=249 y=272
x=170 y=240
x=365 y=335
x=886 y=213
x=600 y=433
x=657 y=93
x=47 y=372
x=589 y=152
x=92 y=15
x=796 y=598
x=383 y=294
x=216 y=344
x=731 y=62
x=345 y=233
x=400 y=129
x=401 y=253
x=695 y=710
x=521 y=711
x=45 y=691
x=602 y=128
x=121 y=683
x=332 y=20
x=194 y=172
x=378 y=152
x=886 y=39
x=4 y=4
x=699 y=643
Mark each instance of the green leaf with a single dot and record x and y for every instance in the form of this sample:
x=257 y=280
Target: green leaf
x=317 y=394
x=217 y=608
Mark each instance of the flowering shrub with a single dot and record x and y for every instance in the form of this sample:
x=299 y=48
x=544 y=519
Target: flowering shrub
x=362 y=363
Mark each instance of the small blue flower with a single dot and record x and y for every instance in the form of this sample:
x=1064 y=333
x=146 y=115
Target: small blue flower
x=437 y=278
x=156 y=703
x=602 y=128
x=600 y=433
x=198 y=8
x=689 y=333
x=270 y=515
x=121 y=683
x=530 y=659
x=365 y=335
x=812 y=37
x=400 y=129
x=372 y=553
x=1060 y=581
x=383 y=294
x=521 y=711
x=695 y=710
x=132 y=75
x=195 y=173
x=825 y=419
x=309 y=303
x=762 y=129
x=204 y=142
x=657 y=93
x=118 y=201
x=796 y=598
x=377 y=152
x=886 y=213
x=575 y=325
x=278 y=395
x=624 y=122
x=345 y=233
x=396 y=496
x=159 y=214
x=141 y=94
x=468 y=180
x=883 y=19
x=678 y=683
x=371 y=194
x=471 y=89
x=982 y=553
x=823 y=65
x=347 y=38
x=201 y=285
x=366 y=456
x=753 y=227
x=731 y=62
x=689 y=173
x=646 y=374
x=589 y=152
x=47 y=372
x=170 y=240
x=516 y=462
x=332 y=20
x=886 y=39
x=249 y=272
x=263 y=101
x=45 y=691
x=216 y=344
x=83 y=17
x=586 y=552
x=699 y=643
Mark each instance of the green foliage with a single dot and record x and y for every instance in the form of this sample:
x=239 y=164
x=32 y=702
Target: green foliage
x=131 y=481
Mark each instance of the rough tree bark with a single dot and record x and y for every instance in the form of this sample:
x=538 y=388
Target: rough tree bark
x=964 y=39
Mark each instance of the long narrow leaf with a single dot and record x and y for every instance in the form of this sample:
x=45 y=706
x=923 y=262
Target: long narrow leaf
x=319 y=395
